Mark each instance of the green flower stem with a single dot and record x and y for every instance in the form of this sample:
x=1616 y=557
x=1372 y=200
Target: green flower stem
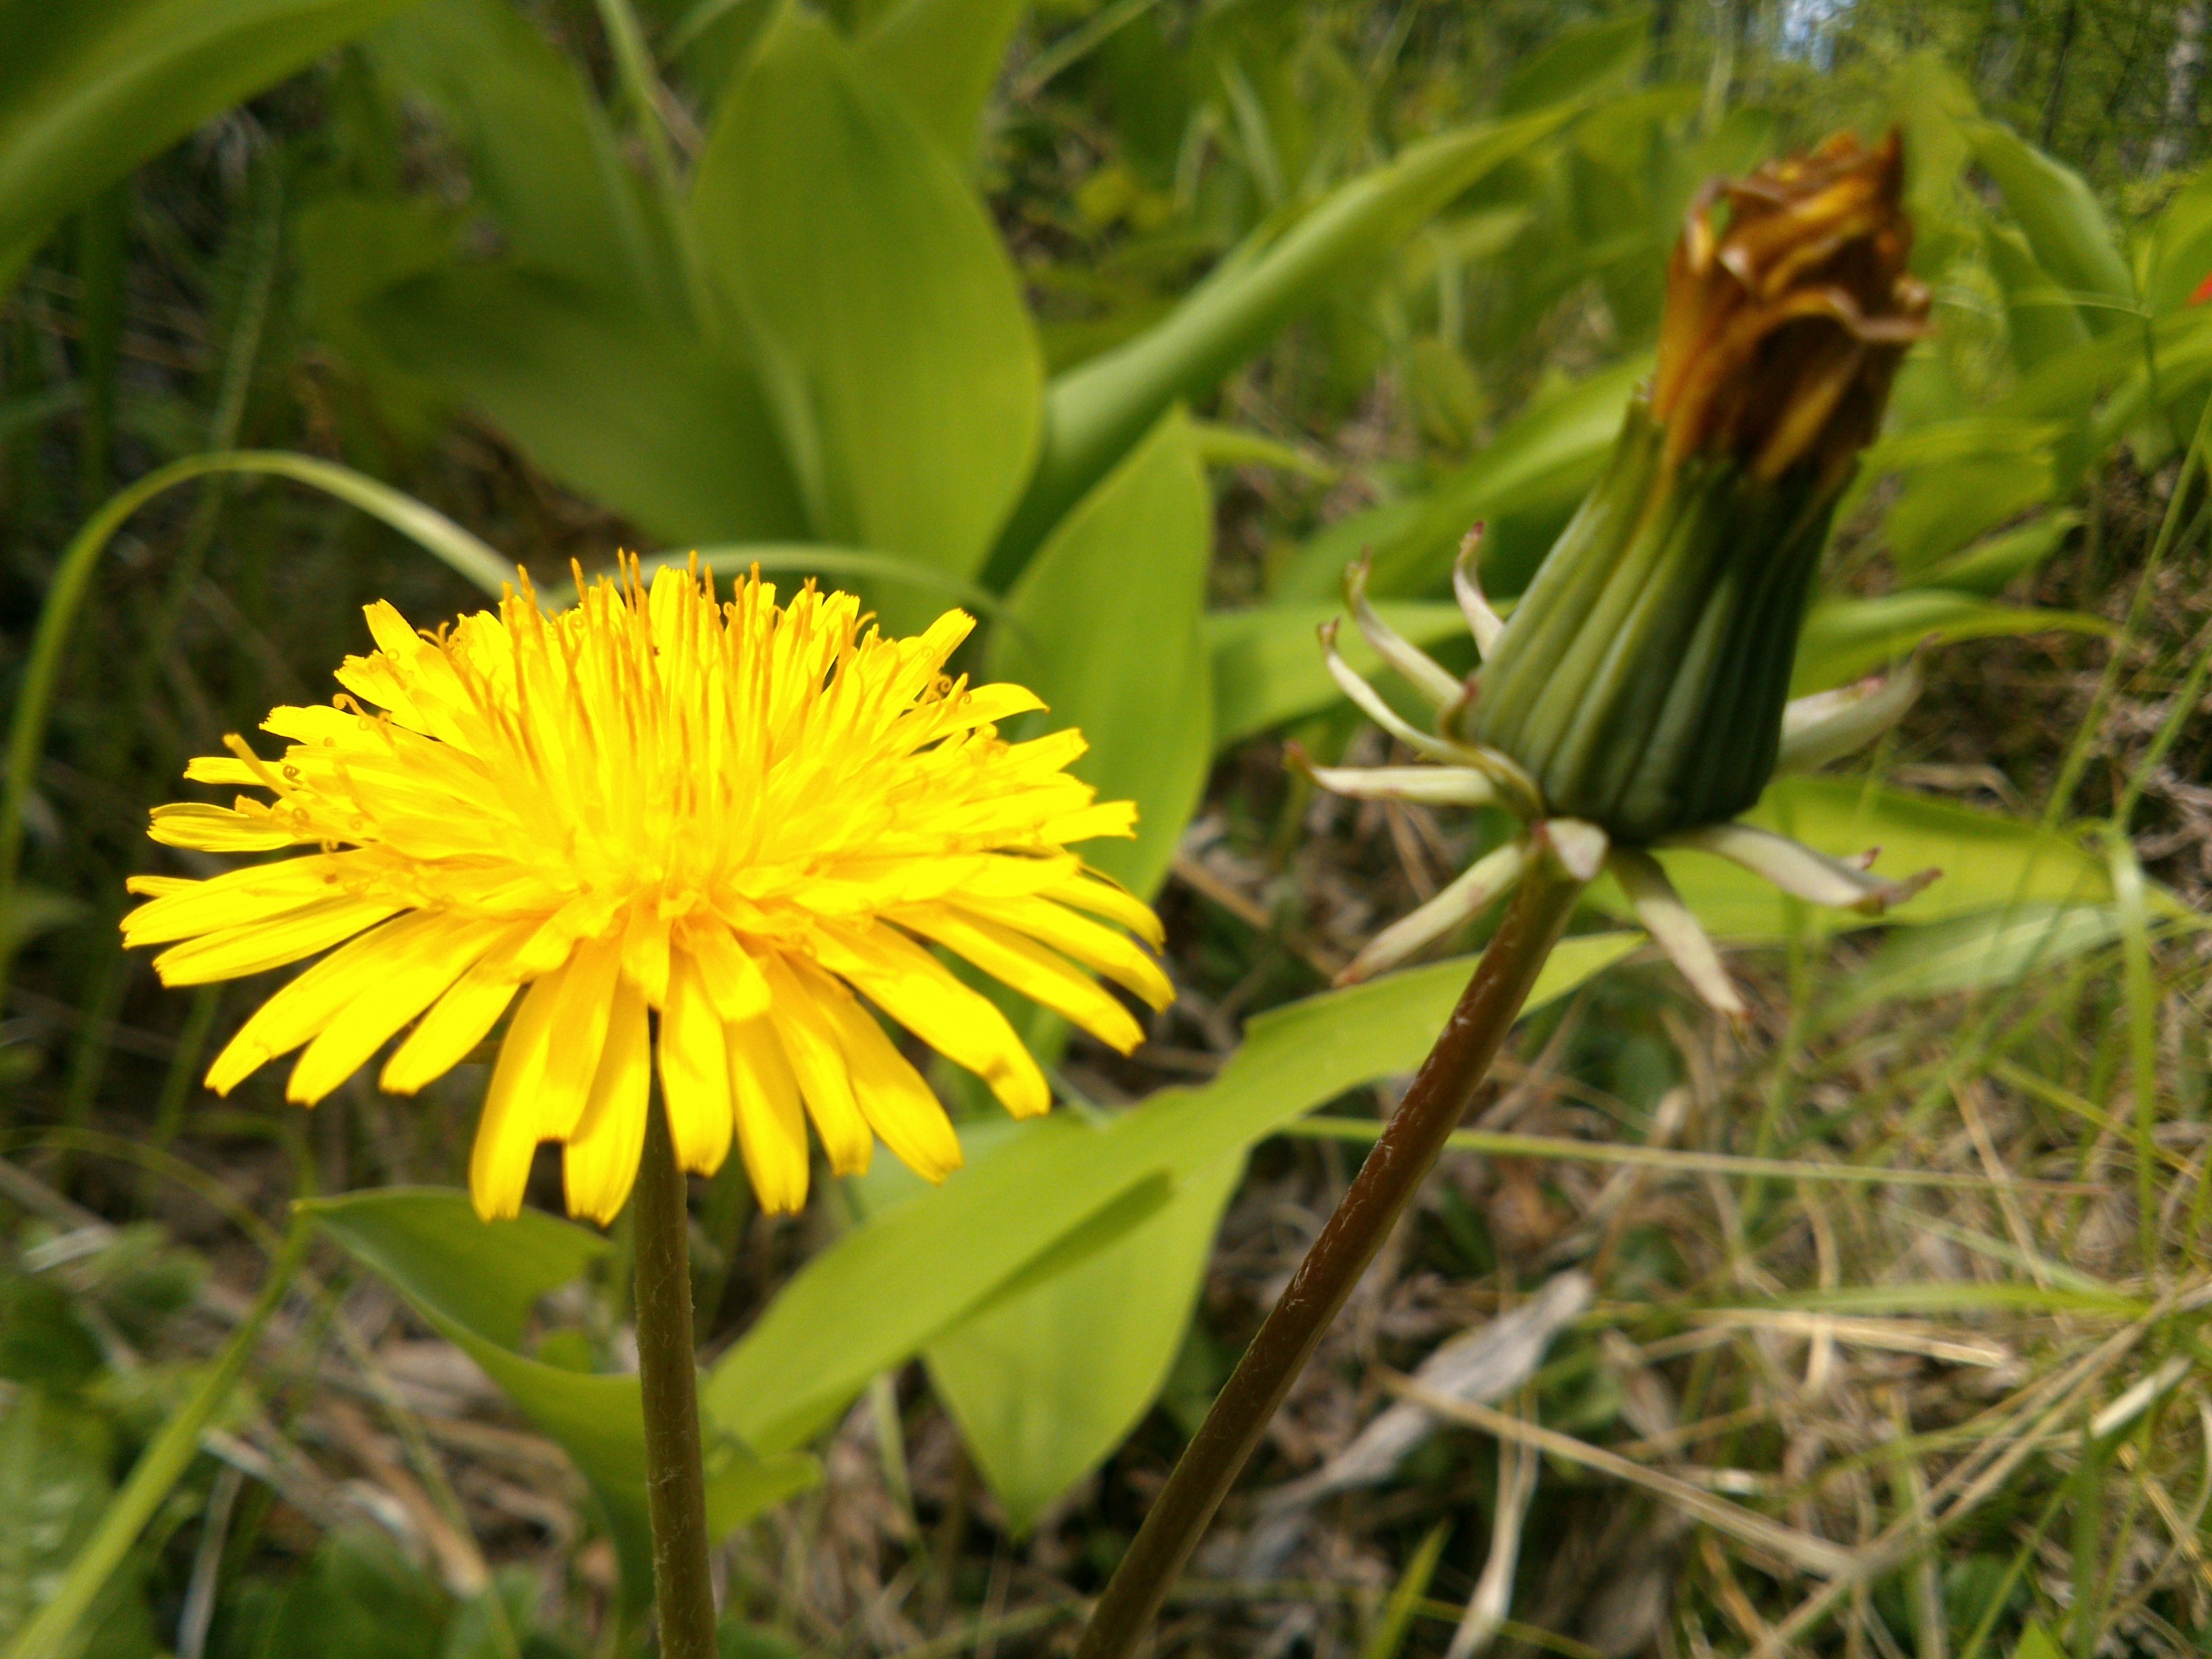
x=1386 y=1184
x=675 y=1472
x=52 y=1633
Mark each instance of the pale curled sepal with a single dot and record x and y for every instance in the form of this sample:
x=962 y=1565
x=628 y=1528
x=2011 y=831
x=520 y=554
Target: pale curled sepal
x=1579 y=848
x=1414 y=665
x=1370 y=704
x=1480 y=883
x=1675 y=930
x=1799 y=871
x=1429 y=785
x=1830 y=725
x=1484 y=623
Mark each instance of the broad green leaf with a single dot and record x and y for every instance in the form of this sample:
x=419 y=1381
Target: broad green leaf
x=1846 y=638
x=1988 y=564
x=2037 y=1642
x=610 y=397
x=1578 y=62
x=1547 y=457
x=1229 y=446
x=1106 y=626
x=2178 y=255
x=477 y=1282
x=1095 y=412
x=91 y=89
x=2040 y=314
x=2065 y=228
x=1046 y=1382
x=1974 y=953
x=898 y=356
x=350 y=248
x=1941 y=509
x=1987 y=862
x=54 y=1485
x=542 y=155
x=1268 y=667
x=887 y=1289
x=942 y=57
x=358 y=1598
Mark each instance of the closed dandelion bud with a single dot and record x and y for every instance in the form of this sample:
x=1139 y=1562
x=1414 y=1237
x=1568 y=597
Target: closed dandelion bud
x=1640 y=683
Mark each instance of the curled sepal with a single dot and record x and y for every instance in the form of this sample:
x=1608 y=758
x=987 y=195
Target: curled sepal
x=1579 y=848
x=1414 y=665
x=1517 y=790
x=1480 y=883
x=1429 y=785
x=1675 y=930
x=1482 y=622
x=1799 y=871
x=1830 y=725
x=1371 y=703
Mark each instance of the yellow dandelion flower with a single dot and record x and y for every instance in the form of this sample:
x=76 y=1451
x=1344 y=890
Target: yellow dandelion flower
x=677 y=828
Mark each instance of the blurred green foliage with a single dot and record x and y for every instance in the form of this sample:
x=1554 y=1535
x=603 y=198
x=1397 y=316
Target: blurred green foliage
x=1026 y=307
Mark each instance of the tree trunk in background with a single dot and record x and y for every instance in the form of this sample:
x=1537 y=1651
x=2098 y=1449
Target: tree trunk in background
x=2056 y=98
x=1662 y=40
x=1999 y=57
x=2185 y=66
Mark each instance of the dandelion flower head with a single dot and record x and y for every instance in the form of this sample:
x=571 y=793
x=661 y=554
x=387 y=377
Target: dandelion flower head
x=678 y=830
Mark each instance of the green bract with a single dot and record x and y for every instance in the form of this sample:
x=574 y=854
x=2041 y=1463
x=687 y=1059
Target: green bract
x=1642 y=681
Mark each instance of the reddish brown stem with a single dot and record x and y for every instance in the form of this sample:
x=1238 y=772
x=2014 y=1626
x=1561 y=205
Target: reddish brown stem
x=1378 y=1195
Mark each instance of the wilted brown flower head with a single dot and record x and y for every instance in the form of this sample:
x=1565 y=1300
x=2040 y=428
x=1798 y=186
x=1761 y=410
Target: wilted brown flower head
x=1782 y=331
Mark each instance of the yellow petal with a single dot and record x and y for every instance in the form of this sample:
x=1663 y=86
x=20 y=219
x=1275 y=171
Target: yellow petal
x=732 y=978
x=1029 y=968
x=181 y=909
x=599 y=1163
x=219 y=829
x=771 y=1126
x=810 y=1043
x=579 y=1032
x=432 y=958
x=921 y=993
x=458 y=1021
x=694 y=1069
x=1090 y=890
x=508 y=1132
x=891 y=1095
x=298 y=1010
x=255 y=948
x=1100 y=949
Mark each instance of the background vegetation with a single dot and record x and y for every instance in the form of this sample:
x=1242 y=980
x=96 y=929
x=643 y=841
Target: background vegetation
x=1873 y=1328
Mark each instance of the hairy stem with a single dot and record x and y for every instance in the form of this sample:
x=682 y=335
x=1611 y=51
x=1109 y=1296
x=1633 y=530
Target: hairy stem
x=1378 y=1195
x=675 y=1473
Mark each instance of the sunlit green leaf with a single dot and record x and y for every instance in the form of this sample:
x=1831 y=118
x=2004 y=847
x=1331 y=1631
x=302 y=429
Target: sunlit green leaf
x=1095 y=412
x=894 y=344
x=1106 y=626
x=90 y=88
x=1546 y=459
x=887 y=1289
x=2064 y=225
x=1044 y=1383
x=542 y=158
x=615 y=399
x=942 y=57
x=1987 y=862
x=1974 y=953
x=1846 y=638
